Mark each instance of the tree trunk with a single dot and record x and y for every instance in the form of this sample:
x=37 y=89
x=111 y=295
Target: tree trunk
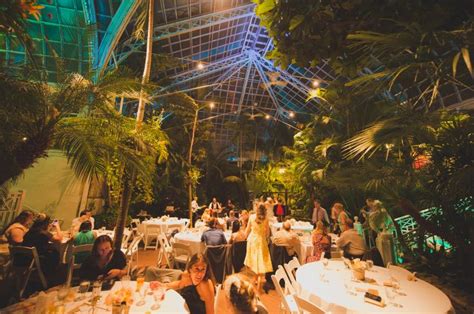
x=190 y=155
x=128 y=184
x=147 y=67
x=124 y=206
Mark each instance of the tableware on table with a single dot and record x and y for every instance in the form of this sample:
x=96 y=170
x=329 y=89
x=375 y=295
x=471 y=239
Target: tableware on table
x=325 y=263
x=63 y=292
x=390 y=293
x=125 y=281
x=83 y=288
x=158 y=291
x=140 y=282
x=350 y=288
x=370 y=264
x=142 y=293
x=96 y=289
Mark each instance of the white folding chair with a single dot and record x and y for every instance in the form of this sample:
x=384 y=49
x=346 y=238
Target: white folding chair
x=127 y=234
x=288 y=303
x=306 y=306
x=132 y=249
x=71 y=260
x=216 y=299
x=181 y=254
x=165 y=251
x=291 y=268
x=21 y=269
x=151 y=233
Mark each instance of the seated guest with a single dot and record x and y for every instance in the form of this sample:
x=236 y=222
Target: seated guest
x=231 y=219
x=17 y=229
x=104 y=262
x=285 y=237
x=321 y=243
x=196 y=285
x=351 y=241
x=206 y=215
x=240 y=296
x=238 y=233
x=90 y=218
x=76 y=222
x=85 y=236
x=213 y=236
x=40 y=238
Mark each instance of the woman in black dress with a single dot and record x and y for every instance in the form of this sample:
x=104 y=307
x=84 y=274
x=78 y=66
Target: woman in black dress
x=196 y=286
x=104 y=262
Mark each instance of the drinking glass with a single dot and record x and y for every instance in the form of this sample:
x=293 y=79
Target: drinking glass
x=390 y=293
x=140 y=282
x=370 y=264
x=350 y=288
x=125 y=281
x=142 y=293
x=63 y=292
x=325 y=263
x=83 y=288
x=159 y=296
x=96 y=289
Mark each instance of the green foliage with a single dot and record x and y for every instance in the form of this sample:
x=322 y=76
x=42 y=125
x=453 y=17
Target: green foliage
x=108 y=219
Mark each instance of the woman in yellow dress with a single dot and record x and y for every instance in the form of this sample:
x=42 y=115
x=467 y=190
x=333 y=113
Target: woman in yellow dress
x=258 y=256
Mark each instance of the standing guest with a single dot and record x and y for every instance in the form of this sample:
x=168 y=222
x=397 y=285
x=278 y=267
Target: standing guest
x=104 y=262
x=195 y=208
x=351 y=241
x=231 y=219
x=213 y=236
x=17 y=229
x=84 y=236
x=279 y=209
x=230 y=206
x=258 y=256
x=319 y=213
x=269 y=203
x=238 y=233
x=366 y=210
x=321 y=243
x=244 y=218
x=340 y=215
x=43 y=240
x=286 y=237
x=196 y=285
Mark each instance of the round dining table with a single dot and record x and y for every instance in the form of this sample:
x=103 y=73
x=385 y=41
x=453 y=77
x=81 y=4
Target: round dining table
x=173 y=302
x=192 y=237
x=333 y=288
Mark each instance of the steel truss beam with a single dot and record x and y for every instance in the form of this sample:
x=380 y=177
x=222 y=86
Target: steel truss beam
x=214 y=67
x=114 y=31
x=189 y=25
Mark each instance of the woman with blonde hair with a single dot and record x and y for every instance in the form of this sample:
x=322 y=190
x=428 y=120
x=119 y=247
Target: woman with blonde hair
x=258 y=255
x=321 y=243
x=240 y=296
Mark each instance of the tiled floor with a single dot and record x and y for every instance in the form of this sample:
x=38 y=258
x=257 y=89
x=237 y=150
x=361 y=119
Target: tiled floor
x=270 y=300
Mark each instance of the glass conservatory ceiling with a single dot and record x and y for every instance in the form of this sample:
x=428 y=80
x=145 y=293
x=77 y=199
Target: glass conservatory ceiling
x=222 y=35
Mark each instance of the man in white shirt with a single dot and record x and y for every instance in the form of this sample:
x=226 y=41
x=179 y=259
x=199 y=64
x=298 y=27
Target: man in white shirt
x=351 y=241
x=319 y=213
x=286 y=237
x=83 y=216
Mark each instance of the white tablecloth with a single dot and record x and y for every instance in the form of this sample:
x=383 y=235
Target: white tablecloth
x=420 y=296
x=173 y=303
x=193 y=239
x=298 y=227
x=166 y=225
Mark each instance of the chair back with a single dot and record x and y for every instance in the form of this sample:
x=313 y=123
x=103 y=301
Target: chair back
x=151 y=233
x=239 y=251
x=24 y=261
x=165 y=251
x=306 y=306
x=127 y=234
x=218 y=257
x=279 y=255
x=181 y=253
x=291 y=268
x=285 y=292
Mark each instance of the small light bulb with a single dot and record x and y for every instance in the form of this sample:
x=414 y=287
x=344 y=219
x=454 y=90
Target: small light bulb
x=291 y=114
x=315 y=83
x=200 y=66
x=24 y=139
x=212 y=105
x=267 y=116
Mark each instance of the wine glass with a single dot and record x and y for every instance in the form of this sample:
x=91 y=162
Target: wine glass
x=370 y=264
x=159 y=296
x=83 y=288
x=325 y=263
x=390 y=293
x=63 y=292
x=142 y=293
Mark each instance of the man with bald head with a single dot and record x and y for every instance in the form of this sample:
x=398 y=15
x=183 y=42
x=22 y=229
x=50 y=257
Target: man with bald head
x=286 y=237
